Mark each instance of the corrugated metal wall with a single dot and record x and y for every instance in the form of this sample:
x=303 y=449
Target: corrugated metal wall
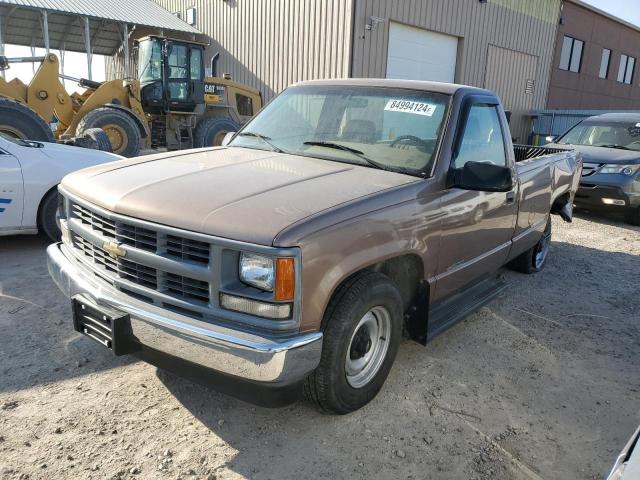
x=512 y=75
x=519 y=25
x=270 y=44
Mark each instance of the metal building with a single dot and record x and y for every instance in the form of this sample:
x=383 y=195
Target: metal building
x=504 y=45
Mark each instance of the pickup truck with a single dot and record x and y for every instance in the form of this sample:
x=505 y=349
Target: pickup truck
x=293 y=259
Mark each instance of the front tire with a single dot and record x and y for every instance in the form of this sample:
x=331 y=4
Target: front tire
x=121 y=130
x=633 y=217
x=47 y=216
x=363 y=328
x=534 y=259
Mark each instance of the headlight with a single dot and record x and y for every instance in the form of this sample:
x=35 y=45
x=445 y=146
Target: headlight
x=616 y=168
x=257 y=271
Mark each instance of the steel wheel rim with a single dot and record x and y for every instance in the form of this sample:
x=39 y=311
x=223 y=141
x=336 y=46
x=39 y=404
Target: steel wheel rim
x=542 y=250
x=218 y=138
x=373 y=327
x=117 y=137
x=13 y=132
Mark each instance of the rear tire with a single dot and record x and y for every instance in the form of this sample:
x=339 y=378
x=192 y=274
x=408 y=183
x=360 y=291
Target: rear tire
x=99 y=136
x=534 y=259
x=20 y=121
x=120 y=128
x=363 y=328
x=210 y=131
x=47 y=216
x=633 y=217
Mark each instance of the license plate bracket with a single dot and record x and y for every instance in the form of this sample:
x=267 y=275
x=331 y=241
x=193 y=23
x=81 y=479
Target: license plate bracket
x=108 y=327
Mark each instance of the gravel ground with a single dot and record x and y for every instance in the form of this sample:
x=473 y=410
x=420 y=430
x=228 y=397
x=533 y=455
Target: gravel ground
x=542 y=383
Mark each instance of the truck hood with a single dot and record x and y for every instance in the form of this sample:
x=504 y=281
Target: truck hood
x=242 y=194
x=592 y=154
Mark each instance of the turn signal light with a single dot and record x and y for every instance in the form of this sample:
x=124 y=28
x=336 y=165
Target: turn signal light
x=285 y=287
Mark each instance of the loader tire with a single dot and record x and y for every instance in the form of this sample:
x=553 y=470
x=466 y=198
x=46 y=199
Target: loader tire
x=121 y=129
x=100 y=137
x=210 y=131
x=19 y=121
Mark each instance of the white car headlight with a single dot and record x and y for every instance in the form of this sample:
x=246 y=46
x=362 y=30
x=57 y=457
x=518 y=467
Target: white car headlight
x=257 y=271
x=617 y=168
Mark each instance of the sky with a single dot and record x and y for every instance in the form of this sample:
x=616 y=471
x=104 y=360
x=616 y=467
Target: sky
x=76 y=63
x=626 y=9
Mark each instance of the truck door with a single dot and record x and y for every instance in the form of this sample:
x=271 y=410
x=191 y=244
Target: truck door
x=478 y=225
x=11 y=191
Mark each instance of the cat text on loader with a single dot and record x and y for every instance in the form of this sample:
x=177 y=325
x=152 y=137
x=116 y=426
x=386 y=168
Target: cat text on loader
x=170 y=105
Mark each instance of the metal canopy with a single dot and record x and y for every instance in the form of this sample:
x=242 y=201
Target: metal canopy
x=26 y=22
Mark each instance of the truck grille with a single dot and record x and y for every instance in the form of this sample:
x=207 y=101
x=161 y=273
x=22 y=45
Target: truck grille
x=142 y=264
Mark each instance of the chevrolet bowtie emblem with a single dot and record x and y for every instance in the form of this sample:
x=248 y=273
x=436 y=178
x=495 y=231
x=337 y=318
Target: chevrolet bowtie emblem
x=113 y=249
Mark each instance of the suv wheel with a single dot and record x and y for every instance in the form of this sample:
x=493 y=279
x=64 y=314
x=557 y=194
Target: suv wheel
x=633 y=216
x=363 y=327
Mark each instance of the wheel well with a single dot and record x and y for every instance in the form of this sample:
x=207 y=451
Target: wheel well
x=407 y=272
x=39 y=214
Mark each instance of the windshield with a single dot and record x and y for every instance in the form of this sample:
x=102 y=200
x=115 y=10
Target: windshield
x=149 y=60
x=389 y=128
x=623 y=135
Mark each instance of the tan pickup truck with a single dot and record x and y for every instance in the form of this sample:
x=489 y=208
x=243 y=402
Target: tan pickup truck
x=345 y=214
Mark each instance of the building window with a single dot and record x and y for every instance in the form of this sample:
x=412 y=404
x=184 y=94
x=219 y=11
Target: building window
x=191 y=16
x=627 y=66
x=571 y=55
x=604 y=63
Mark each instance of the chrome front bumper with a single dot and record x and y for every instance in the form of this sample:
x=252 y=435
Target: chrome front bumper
x=272 y=361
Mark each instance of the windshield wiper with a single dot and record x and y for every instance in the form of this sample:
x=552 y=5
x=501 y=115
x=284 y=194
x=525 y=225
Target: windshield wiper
x=620 y=147
x=264 y=138
x=344 y=148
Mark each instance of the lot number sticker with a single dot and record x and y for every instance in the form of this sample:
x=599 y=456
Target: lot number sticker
x=407 y=106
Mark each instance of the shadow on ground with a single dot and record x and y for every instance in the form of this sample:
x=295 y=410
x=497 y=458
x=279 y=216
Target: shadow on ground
x=521 y=389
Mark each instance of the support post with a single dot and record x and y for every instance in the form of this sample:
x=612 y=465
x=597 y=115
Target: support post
x=45 y=29
x=87 y=46
x=125 y=49
x=2 y=41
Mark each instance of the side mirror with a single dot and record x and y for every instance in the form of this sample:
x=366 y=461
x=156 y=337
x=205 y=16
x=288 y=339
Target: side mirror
x=485 y=177
x=227 y=138
x=550 y=139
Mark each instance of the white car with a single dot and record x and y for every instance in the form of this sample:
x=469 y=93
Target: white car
x=29 y=176
x=627 y=466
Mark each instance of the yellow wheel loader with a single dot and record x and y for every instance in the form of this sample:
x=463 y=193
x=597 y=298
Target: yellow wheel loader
x=170 y=105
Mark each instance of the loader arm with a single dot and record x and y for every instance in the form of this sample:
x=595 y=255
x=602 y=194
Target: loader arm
x=125 y=93
x=45 y=94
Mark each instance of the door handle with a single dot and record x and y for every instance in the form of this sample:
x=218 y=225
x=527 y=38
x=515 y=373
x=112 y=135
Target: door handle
x=511 y=198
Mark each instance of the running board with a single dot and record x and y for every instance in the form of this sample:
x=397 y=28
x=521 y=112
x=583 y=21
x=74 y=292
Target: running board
x=448 y=312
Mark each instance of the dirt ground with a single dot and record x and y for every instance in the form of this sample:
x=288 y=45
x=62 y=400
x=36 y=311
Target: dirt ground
x=543 y=383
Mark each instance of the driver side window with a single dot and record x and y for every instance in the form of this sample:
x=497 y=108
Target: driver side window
x=482 y=140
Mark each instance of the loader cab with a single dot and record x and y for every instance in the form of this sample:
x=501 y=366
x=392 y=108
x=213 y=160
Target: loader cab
x=171 y=74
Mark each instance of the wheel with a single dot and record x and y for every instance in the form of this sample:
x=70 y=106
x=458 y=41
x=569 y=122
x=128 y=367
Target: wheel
x=100 y=137
x=363 y=327
x=210 y=131
x=534 y=259
x=19 y=121
x=48 y=216
x=633 y=216
x=121 y=129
